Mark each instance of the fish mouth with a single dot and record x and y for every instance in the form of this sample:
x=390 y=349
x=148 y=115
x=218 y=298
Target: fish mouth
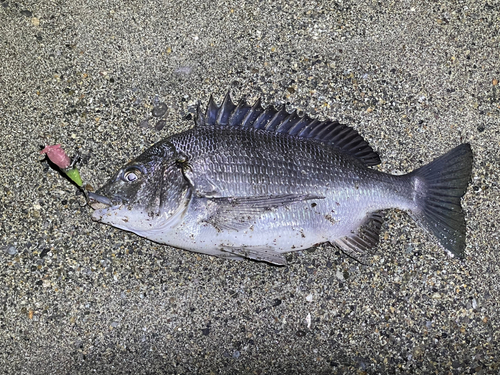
x=98 y=202
x=103 y=206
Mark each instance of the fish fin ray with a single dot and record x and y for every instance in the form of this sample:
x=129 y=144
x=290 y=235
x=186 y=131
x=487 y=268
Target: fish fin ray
x=254 y=112
x=280 y=115
x=239 y=113
x=361 y=244
x=211 y=112
x=279 y=120
x=239 y=213
x=225 y=110
x=200 y=118
x=259 y=253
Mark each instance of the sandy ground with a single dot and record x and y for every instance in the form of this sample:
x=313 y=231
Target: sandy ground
x=77 y=297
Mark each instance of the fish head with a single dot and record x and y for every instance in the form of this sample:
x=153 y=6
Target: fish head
x=144 y=194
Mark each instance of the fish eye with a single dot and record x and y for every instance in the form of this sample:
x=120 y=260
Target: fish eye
x=131 y=174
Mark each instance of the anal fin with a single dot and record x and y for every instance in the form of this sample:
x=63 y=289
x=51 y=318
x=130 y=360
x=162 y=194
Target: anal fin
x=361 y=244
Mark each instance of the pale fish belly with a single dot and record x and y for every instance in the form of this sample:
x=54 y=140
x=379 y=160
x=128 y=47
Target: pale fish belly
x=298 y=226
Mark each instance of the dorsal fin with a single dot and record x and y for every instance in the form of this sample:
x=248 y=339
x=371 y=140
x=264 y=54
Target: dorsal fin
x=332 y=133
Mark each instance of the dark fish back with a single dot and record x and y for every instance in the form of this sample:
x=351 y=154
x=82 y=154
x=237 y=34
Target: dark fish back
x=236 y=161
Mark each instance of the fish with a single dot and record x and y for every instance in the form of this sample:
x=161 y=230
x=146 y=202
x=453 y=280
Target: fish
x=255 y=182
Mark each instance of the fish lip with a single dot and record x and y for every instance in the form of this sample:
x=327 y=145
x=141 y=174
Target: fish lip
x=97 y=201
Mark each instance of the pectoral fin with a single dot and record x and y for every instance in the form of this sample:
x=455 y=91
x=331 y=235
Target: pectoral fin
x=242 y=212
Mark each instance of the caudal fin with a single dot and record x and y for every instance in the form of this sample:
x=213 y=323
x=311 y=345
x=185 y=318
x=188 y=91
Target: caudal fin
x=439 y=186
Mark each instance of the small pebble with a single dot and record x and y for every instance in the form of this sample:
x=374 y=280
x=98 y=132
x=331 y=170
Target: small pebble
x=276 y=302
x=160 y=125
x=11 y=250
x=184 y=70
x=144 y=123
x=339 y=275
x=159 y=110
x=300 y=333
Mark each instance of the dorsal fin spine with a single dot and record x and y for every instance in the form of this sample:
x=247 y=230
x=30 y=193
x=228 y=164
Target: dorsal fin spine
x=211 y=112
x=261 y=121
x=277 y=118
x=200 y=116
x=225 y=110
x=255 y=109
x=239 y=113
x=286 y=123
x=298 y=126
x=307 y=129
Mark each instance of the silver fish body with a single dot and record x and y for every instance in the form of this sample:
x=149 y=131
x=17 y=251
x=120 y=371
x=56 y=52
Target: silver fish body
x=257 y=183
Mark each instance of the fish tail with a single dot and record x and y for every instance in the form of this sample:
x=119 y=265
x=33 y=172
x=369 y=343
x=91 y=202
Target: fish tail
x=438 y=188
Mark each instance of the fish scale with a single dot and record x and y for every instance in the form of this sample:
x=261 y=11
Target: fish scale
x=249 y=182
x=285 y=164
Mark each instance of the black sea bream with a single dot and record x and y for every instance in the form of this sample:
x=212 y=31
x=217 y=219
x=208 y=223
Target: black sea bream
x=257 y=183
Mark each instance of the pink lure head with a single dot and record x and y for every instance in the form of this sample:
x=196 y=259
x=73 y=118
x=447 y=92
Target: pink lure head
x=57 y=156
